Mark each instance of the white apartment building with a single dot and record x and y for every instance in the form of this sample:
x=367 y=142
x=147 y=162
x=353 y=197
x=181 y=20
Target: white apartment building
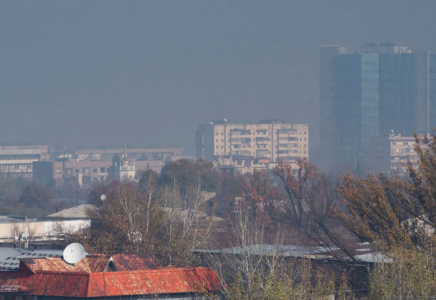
x=272 y=139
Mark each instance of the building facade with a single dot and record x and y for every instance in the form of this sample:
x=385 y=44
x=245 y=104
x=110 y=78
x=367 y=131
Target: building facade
x=369 y=91
x=18 y=160
x=391 y=153
x=88 y=167
x=274 y=140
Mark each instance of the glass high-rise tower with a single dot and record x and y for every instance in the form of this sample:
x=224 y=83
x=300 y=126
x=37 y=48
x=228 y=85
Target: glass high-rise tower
x=369 y=91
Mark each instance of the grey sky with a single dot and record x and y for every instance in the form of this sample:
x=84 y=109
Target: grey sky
x=89 y=73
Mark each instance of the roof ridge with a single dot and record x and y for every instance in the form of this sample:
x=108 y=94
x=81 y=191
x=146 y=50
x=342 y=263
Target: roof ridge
x=180 y=269
x=62 y=272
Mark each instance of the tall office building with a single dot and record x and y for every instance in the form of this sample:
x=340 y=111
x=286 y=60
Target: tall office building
x=368 y=91
x=271 y=139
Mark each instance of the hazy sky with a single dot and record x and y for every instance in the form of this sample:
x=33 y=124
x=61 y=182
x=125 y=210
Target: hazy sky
x=89 y=73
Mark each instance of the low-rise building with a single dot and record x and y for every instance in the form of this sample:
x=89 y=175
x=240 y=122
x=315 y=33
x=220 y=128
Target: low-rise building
x=39 y=231
x=244 y=165
x=101 y=276
x=88 y=167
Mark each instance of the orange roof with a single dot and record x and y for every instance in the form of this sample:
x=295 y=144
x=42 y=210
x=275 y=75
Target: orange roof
x=133 y=262
x=88 y=264
x=105 y=284
x=93 y=263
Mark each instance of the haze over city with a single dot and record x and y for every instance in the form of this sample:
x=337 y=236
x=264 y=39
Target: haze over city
x=234 y=150
x=89 y=74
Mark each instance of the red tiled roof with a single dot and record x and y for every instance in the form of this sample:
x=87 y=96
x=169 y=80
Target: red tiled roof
x=144 y=282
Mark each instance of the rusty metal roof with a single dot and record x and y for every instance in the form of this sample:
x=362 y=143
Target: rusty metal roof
x=105 y=284
x=93 y=263
x=150 y=282
x=88 y=264
x=133 y=262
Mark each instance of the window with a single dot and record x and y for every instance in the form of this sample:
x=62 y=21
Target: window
x=102 y=169
x=76 y=170
x=95 y=170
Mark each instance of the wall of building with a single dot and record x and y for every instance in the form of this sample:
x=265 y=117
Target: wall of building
x=40 y=230
x=389 y=154
x=19 y=162
x=274 y=140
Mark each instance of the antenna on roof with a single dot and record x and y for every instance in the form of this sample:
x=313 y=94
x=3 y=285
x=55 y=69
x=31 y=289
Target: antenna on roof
x=73 y=253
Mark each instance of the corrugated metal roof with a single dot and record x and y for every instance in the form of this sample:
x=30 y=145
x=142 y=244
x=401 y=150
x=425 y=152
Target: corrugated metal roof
x=106 y=284
x=88 y=264
x=10 y=257
x=150 y=282
x=133 y=262
x=93 y=263
x=20 y=152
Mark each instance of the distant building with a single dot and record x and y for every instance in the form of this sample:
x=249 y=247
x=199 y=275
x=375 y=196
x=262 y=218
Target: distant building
x=18 y=160
x=272 y=139
x=389 y=154
x=367 y=91
x=146 y=154
x=85 y=172
x=244 y=165
x=98 y=165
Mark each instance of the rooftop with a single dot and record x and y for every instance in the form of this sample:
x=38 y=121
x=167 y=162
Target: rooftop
x=101 y=275
x=76 y=212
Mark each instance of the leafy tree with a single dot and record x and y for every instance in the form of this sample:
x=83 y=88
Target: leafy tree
x=296 y=182
x=405 y=274
x=397 y=214
x=184 y=175
x=119 y=224
x=379 y=206
x=36 y=200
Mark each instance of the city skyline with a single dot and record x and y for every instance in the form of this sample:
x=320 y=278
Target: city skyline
x=91 y=74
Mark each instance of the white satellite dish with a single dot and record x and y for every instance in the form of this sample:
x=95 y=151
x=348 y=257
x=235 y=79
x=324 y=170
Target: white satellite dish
x=73 y=253
x=103 y=197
